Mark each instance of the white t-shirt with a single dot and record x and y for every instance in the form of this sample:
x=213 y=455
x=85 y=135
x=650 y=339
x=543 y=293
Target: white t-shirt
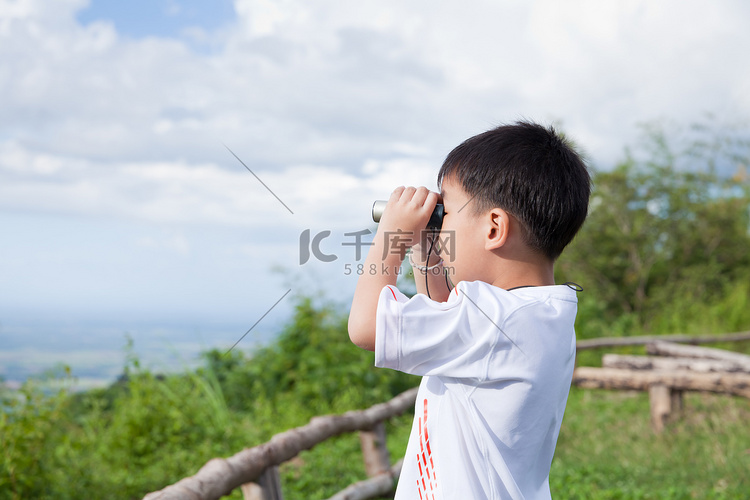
x=497 y=368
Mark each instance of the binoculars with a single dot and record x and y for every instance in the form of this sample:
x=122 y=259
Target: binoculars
x=435 y=222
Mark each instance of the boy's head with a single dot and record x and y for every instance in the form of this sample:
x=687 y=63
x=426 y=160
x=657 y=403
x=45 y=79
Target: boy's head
x=530 y=172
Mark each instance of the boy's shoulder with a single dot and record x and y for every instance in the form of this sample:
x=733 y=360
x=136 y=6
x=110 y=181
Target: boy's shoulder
x=480 y=291
x=519 y=312
x=481 y=332
x=482 y=299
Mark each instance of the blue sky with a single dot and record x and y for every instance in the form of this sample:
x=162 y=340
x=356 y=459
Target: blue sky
x=162 y=18
x=120 y=204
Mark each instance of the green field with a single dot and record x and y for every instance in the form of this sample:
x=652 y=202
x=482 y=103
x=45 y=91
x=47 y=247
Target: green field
x=148 y=431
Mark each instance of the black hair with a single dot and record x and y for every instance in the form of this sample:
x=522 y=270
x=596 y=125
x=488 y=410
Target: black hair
x=530 y=171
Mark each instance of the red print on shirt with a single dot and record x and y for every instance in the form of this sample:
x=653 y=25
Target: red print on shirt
x=427 y=482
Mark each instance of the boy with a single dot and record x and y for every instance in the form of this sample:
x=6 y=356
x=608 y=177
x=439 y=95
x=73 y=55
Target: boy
x=496 y=352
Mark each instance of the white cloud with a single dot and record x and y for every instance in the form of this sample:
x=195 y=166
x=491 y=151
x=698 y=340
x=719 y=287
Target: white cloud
x=175 y=242
x=191 y=193
x=332 y=104
x=327 y=88
x=329 y=83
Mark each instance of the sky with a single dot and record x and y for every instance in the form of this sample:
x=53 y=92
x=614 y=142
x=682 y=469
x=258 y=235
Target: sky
x=161 y=160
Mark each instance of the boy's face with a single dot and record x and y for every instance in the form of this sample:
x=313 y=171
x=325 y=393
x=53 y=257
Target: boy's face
x=465 y=256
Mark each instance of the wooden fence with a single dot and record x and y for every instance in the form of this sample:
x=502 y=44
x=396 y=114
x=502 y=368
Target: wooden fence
x=647 y=339
x=669 y=371
x=255 y=470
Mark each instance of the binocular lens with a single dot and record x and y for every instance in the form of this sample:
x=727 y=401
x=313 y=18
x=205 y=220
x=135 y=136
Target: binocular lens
x=435 y=222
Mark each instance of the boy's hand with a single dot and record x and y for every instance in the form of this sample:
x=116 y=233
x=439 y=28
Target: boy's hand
x=401 y=227
x=406 y=215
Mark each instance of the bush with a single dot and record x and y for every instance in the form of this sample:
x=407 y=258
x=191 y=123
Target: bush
x=312 y=362
x=30 y=421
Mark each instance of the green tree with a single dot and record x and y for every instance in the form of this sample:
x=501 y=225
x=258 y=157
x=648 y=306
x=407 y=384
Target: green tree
x=28 y=419
x=312 y=361
x=668 y=223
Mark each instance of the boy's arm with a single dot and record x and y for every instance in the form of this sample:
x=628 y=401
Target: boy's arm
x=404 y=218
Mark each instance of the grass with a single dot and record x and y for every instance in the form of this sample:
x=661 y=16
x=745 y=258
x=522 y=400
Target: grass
x=607 y=449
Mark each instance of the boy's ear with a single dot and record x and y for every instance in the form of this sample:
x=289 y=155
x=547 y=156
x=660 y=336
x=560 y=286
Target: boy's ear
x=498 y=228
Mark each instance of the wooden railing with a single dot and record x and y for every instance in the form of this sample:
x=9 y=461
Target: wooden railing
x=647 y=339
x=255 y=470
x=668 y=372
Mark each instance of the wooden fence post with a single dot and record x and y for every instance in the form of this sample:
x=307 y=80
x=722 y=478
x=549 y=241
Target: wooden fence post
x=268 y=486
x=661 y=405
x=374 y=451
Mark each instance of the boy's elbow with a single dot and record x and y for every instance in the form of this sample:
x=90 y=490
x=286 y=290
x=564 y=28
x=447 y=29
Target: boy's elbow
x=361 y=334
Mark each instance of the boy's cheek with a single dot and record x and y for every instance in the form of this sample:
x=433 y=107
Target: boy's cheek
x=447 y=245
